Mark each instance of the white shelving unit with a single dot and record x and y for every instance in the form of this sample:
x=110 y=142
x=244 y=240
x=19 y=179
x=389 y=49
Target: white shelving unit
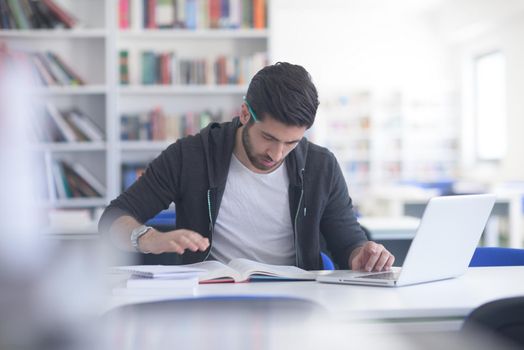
x=55 y=34
x=92 y=49
x=386 y=138
x=175 y=99
x=182 y=90
x=87 y=50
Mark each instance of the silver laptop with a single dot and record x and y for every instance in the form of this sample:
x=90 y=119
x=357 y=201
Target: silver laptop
x=445 y=241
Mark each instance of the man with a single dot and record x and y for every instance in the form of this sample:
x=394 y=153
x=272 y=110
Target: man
x=254 y=187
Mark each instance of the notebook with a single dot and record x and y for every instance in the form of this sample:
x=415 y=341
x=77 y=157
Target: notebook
x=445 y=241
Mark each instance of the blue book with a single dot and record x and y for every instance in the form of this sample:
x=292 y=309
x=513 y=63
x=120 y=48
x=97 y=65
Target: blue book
x=224 y=14
x=191 y=14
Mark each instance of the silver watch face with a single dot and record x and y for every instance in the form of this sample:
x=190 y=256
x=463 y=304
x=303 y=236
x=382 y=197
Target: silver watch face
x=137 y=233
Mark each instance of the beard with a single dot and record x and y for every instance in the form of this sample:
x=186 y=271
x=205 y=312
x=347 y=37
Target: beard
x=256 y=160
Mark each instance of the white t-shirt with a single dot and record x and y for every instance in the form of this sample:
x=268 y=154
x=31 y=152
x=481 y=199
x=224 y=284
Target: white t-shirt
x=254 y=220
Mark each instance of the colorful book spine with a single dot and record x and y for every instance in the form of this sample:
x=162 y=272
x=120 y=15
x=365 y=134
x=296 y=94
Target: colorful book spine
x=123 y=14
x=18 y=15
x=259 y=14
x=124 y=67
x=191 y=14
x=64 y=16
x=75 y=79
x=214 y=13
x=165 y=14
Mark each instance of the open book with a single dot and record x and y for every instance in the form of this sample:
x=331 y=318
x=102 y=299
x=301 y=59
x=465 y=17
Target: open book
x=240 y=270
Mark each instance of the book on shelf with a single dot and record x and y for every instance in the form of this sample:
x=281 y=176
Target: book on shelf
x=191 y=14
x=34 y=14
x=72 y=76
x=124 y=14
x=71 y=181
x=164 y=13
x=20 y=20
x=197 y=14
x=123 y=64
x=166 y=68
x=180 y=13
x=91 y=180
x=66 y=129
x=44 y=129
x=259 y=14
x=87 y=128
x=44 y=74
x=80 y=187
x=68 y=125
x=243 y=270
x=63 y=16
x=61 y=186
x=156 y=125
x=52 y=70
x=52 y=193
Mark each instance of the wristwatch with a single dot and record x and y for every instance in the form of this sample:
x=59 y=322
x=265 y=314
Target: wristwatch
x=136 y=234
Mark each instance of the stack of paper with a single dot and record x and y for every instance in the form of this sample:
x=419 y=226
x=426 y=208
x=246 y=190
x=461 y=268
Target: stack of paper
x=159 y=280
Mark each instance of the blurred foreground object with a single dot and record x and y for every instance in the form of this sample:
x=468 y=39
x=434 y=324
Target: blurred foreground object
x=46 y=294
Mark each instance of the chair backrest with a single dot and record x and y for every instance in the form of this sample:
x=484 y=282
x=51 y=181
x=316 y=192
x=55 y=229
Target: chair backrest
x=218 y=322
x=503 y=318
x=497 y=256
x=327 y=262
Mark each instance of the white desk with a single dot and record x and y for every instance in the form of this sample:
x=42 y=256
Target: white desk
x=431 y=306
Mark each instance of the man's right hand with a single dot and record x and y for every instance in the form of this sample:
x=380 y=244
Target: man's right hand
x=176 y=241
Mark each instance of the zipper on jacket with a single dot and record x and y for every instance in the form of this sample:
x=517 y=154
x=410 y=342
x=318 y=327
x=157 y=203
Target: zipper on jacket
x=211 y=227
x=297 y=213
x=296 y=227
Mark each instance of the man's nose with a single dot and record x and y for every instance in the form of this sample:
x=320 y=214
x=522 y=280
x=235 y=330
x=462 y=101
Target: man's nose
x=276 y=151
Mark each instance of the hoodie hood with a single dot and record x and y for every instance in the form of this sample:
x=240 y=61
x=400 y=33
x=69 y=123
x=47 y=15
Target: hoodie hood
x=219 y=142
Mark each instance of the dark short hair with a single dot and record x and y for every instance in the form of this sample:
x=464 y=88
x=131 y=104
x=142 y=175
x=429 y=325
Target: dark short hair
x=285 y=92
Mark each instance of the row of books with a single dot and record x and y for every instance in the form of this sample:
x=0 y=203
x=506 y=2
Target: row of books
x=168 y=69
x=156 y=125
x=34 y=14
x=52 y=70
x=66 y=125
x=197 y=14
x=71 y=180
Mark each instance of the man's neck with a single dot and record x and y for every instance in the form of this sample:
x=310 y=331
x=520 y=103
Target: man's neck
x=240 y=152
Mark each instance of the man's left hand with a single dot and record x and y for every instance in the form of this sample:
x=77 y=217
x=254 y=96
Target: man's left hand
x=371 y=257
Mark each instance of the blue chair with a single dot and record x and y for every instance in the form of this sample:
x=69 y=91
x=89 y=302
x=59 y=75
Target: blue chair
x=496 y=256
x=327 y=262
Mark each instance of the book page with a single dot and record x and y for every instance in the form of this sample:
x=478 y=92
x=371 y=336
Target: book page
x=215 y=271
x=157 y=271
x=248 y=268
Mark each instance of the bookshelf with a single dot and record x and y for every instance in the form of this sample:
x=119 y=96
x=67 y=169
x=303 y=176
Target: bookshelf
x=386 y=138
x=85 y=48
x=183 y=39
x=92 y=48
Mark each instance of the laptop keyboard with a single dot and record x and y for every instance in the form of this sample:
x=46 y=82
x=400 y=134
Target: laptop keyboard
x=382 y=276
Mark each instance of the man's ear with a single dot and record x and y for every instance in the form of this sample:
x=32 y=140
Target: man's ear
x=244 y=114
